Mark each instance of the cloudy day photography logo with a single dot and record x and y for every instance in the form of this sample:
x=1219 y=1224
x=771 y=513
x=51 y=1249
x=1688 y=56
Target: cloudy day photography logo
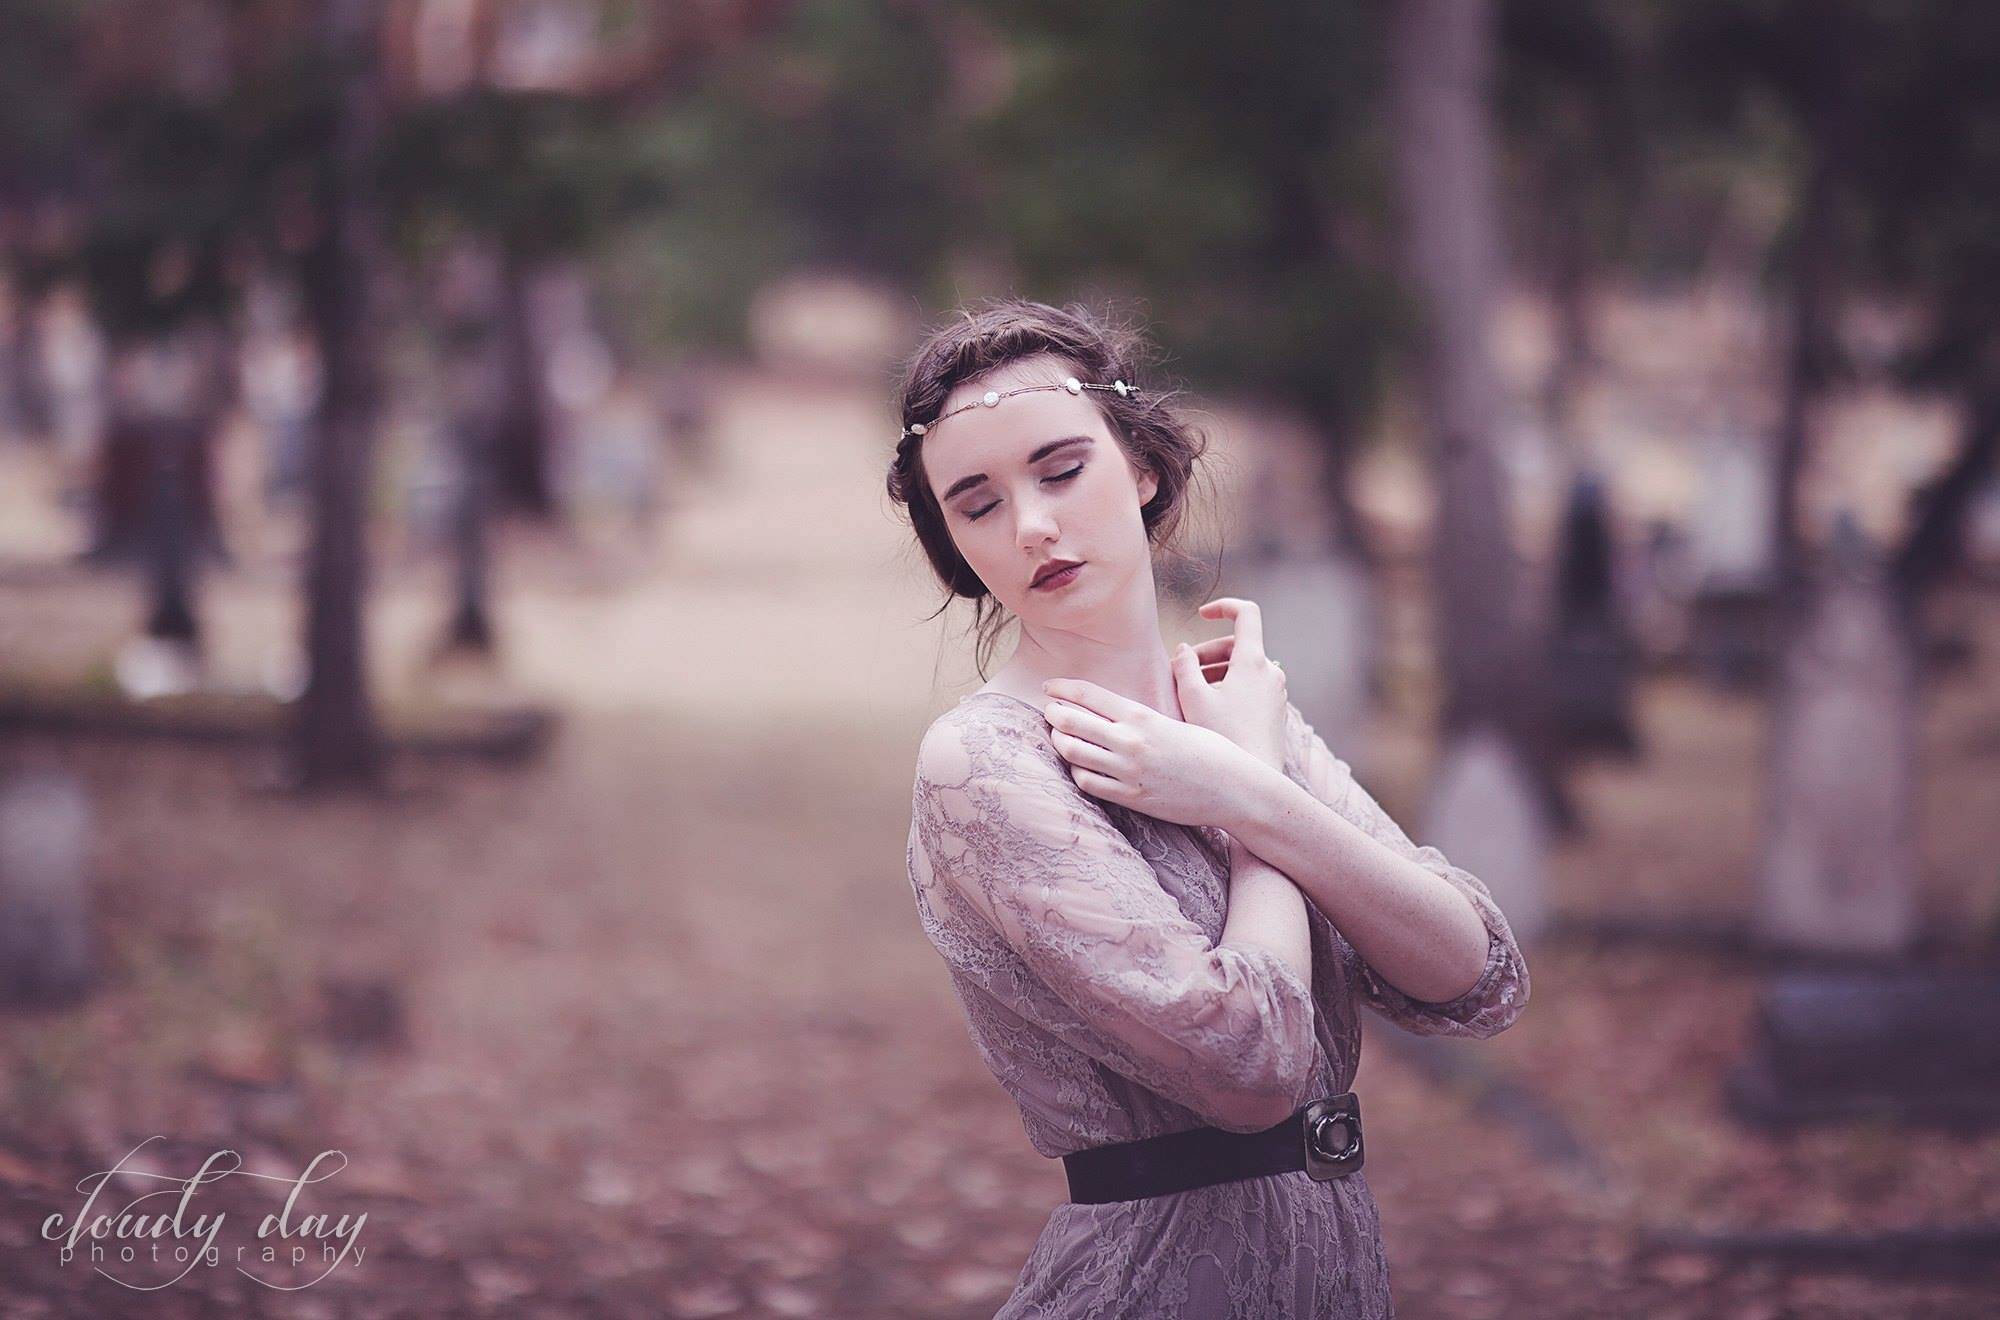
x=147 y=1222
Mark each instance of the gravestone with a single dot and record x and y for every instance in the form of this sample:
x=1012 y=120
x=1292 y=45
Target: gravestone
x=1732 y=555
x=1485 y=816
x=1318 y=614
x=1656 y=589
x=1908 y=1044
x=1590 y=649
x=44 y=888
x=1840 y=861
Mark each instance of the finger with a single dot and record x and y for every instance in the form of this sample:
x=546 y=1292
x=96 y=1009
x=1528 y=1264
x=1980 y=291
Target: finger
x=1216 y=648
x=1100 y=786
x=1214 y=656
x=1086 y=755
x=1247 y=618
x=1078 y=722
x=1091 y=696
x=1187 y=669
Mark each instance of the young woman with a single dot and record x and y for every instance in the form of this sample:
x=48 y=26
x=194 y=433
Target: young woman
x=1158 y=893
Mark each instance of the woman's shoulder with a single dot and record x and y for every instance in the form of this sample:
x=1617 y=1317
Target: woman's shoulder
x=990 y=733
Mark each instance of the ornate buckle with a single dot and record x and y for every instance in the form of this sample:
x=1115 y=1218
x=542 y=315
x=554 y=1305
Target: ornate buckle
x=1332 y=1132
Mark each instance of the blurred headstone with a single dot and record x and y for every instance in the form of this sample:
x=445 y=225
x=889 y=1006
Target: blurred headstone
x=1318 y=619
x=1656 y=588
x=45 y=898
x=74 y=365
x=1590 y=651
x=281 y=383
x=1731 y=558
x=1840 y=861
x=1732 y=536
x=1906 y=1044
x=616 y=473
x=1485 y=815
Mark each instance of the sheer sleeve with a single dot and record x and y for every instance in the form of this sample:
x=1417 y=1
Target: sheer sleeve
x=1501 y=993
x=1224 y=1031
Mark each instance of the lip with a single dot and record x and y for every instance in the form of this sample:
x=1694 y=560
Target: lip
x=1052 y=569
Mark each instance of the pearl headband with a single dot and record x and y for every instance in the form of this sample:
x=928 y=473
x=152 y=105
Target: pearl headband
x=991 y=399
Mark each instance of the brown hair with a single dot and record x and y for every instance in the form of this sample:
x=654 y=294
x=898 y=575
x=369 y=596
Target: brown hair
x=985 y=337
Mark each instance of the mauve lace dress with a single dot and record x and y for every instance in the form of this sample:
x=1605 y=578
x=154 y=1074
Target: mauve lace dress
x=1081 y=941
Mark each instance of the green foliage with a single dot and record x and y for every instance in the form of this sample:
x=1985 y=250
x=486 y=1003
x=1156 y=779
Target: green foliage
x=1226 y=165
x=1225 y=162
x=826 y=143
x=545 y=173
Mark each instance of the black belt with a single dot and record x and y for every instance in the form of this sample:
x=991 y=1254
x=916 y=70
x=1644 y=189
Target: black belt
x=1322 y=1138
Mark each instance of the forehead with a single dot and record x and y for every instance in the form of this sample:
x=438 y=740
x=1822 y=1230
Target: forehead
x=979 y=437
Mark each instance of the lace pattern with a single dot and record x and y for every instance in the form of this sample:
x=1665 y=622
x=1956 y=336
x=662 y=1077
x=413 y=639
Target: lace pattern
x=1080 y=939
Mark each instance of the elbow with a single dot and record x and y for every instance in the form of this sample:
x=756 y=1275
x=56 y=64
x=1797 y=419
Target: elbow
x=1498 y=1006
x=1267 y=1086
x=1504 y=1003
x=1513 y=1001
x=1260 y=1062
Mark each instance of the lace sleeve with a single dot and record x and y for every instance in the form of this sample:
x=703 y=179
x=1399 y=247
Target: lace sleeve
x=1224 y=1031
x=1497 y=998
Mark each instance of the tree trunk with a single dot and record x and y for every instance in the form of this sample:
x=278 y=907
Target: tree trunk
x=470 y=313
x=1937 y=533
x=522 y=455
x=336 y=739
x=1815 y=290
x=1440 y=56
x=1440 y=61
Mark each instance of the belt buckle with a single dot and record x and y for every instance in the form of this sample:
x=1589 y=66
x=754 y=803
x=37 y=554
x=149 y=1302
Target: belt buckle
x=1331 y=1128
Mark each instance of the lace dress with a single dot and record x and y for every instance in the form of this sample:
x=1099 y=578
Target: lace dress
x=1080 y=938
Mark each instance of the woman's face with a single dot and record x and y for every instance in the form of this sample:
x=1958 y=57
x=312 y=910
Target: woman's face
x=1039 y=478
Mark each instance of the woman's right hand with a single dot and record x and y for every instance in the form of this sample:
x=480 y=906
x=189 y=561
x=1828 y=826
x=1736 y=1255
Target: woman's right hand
x=1247 y=705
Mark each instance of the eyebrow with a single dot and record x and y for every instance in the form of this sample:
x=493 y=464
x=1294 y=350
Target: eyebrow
x=1042 y=452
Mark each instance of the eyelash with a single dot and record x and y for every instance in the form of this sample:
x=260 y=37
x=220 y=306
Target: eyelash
x=1060 y=476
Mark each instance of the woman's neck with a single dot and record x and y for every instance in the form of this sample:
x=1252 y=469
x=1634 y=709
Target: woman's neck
x=1129 y=659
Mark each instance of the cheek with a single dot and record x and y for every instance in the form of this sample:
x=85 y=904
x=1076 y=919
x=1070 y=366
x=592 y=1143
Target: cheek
x=1113 y=500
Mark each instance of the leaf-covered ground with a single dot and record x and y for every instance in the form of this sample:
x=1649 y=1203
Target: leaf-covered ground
x=676 y=1046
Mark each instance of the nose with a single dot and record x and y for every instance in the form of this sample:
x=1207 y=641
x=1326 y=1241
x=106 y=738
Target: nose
x=1037 y=524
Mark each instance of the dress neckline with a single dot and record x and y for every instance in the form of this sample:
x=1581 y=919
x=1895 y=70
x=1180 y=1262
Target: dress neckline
x=1216 y=837
x=1004 y=696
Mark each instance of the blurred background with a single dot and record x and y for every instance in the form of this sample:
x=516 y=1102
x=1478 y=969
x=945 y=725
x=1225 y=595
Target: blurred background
x=460 y=674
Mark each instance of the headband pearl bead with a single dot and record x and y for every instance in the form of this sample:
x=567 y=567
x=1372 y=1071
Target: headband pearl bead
x=991 y=399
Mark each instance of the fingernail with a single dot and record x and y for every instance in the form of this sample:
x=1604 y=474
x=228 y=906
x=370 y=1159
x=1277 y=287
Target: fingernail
x=1045 y=683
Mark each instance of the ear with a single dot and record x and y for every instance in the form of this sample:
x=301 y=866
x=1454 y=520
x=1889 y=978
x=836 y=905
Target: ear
x=1149 y=485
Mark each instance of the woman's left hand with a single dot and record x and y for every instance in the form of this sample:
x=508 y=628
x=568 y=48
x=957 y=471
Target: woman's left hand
x=1126 y=752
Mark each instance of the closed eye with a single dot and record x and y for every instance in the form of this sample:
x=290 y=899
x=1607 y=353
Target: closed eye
x=976 y=514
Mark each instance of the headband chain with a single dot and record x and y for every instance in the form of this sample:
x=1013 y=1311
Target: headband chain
x=991 y=399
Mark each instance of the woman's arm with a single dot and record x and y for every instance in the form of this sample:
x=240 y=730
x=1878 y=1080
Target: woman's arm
x=1105 y=959
x=1416 y=929
x=1266 y=910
